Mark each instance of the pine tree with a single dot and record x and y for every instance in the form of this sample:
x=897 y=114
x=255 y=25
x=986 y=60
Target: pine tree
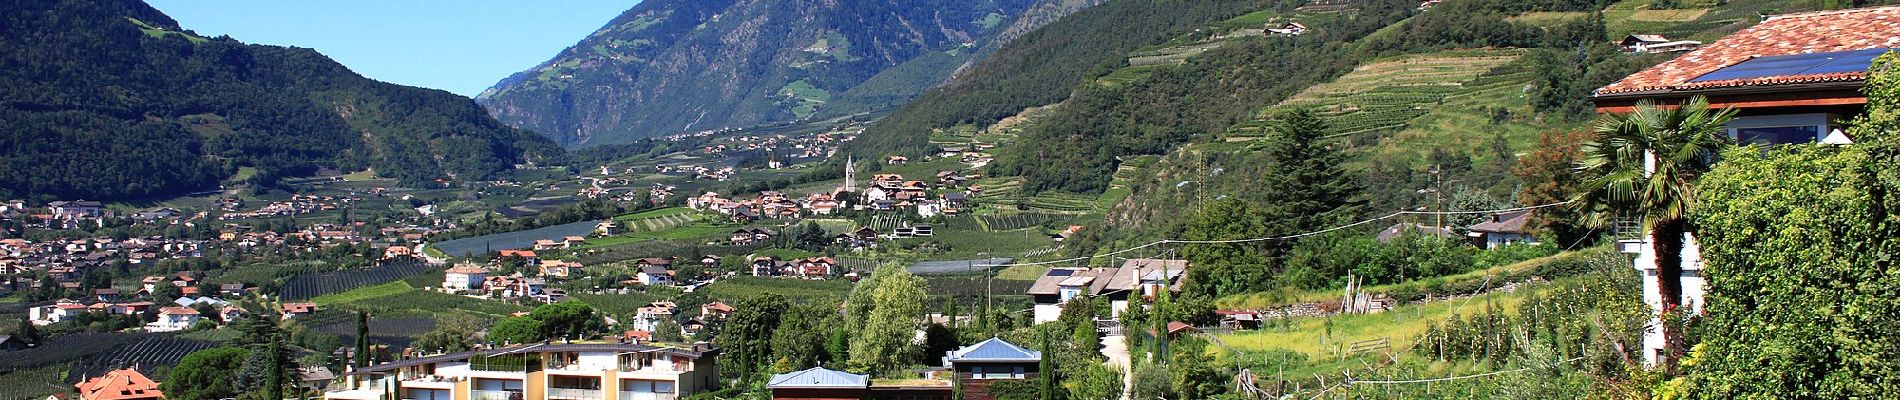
x=27 y=333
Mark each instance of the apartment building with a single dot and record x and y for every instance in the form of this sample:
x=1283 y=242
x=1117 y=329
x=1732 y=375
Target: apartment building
x=571 y=371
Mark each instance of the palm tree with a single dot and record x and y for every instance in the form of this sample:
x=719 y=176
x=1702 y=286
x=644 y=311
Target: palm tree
x=1645 y=164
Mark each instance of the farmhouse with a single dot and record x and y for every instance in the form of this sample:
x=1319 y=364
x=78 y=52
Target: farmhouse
x=649 y=318
x=1288 y=29
x=717 y=311
x=1792 y=78
x=1136 y=280
x=607 y=228
x=1503 y=229
x=1644 y=43
x=464 y=278
x=652 y=274
x=559 y=268
x=605 y=371
x=172 y=319
x=293 y=310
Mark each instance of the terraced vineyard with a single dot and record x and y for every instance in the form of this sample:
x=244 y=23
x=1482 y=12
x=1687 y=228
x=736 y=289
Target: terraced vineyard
x=1384 y=96
x=311 y=285
x=658 y=220
x=1010 y=222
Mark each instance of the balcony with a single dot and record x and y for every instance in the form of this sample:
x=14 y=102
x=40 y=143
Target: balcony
x=494 y=395
x=573 y=394
x=647 y=396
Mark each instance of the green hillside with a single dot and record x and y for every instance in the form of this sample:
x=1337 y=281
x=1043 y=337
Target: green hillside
x=113 y=99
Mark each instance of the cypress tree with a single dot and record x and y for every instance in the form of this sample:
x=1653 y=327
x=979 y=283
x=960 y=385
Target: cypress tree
x=1046 y=368
x=276 y=378
x=362 y=339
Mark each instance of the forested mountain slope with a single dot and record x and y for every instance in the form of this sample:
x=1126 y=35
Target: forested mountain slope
x=668 y=66
x=113 y=99
x=1042 y=67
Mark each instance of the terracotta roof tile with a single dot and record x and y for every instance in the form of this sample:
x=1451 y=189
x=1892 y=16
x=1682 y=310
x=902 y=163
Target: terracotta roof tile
x=1816 y=32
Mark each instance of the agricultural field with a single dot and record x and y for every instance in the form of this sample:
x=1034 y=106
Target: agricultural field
x=1015 y=221
x=465 y=247
x=1324 y=339
x=33 y=382
x=395 y=331
x=1548 y=18
x=1483 y=109
x=1704 y=20
x=1383 y=96
x=605 y=254
x=971 y=286
x=311 y=285
x=61 y=349
x=55 y=365
x=619 y=306
x=146 y=354
x=258 y=274
x=739 y=287
x=399 y=298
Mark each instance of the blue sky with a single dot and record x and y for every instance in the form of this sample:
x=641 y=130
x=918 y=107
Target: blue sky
x=462 y=46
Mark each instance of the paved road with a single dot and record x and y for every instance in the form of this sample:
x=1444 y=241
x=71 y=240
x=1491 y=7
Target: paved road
x=1115 y=347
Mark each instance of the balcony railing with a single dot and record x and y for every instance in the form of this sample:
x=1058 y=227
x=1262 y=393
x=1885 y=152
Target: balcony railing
x=573 y=394
x=650 y=368
x=494 y=395
x=647 y=396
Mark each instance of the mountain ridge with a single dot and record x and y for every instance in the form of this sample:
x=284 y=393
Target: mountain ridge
x=179 y=112
x=670 y=66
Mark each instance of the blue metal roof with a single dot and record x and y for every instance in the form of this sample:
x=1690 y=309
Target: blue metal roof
x=994 y=349
x=1795 y=65
x=818 y=378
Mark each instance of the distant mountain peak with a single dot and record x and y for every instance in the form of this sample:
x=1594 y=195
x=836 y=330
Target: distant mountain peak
x=669 y=66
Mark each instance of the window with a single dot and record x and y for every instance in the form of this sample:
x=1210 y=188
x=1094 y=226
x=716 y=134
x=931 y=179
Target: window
x=1778 y=134
x=1070 y=293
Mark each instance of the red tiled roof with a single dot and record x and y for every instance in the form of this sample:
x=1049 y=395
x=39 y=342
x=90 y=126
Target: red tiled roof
x=1816 y=32
x=122 y=384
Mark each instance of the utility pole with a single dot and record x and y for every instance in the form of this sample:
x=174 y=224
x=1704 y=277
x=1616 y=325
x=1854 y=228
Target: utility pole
x=1438 y=194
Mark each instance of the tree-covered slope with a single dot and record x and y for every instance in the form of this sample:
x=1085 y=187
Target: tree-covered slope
x=668 y=66
x=113 y=99
x=1042 y=67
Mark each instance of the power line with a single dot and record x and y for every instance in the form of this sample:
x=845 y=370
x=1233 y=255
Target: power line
x=1284 y=237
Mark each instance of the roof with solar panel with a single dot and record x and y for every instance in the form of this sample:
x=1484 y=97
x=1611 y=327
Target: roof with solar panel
x=1807 y=48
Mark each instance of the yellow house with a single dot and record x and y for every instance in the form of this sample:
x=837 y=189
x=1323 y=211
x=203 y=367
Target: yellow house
x=572 y=371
